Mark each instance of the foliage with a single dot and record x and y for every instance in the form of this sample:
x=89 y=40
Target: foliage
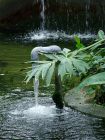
x=72 y=63
x=98 y=65
x=67 y=62
x=97 y=79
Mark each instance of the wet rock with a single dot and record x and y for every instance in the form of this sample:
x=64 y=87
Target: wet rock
x=78 y=101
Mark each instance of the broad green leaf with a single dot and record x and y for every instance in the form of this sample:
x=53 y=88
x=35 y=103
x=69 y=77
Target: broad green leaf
x=38 y=73
x=82 y=56
x=80 y=65
x=45 y=70
x=66 y=51
x=61 y=58
x=51 y=56
x=73 y=54
x=30 y=74
x=62 y=70
x=69 y=67
x=96 y=79
x=50 y=74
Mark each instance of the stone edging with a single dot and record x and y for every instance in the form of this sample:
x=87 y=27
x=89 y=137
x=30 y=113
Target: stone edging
x=78 y=101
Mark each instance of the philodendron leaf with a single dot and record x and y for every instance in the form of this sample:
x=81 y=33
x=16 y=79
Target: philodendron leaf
x=97 y=79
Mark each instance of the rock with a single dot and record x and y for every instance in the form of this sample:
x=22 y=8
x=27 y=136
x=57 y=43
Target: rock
x=78 y=101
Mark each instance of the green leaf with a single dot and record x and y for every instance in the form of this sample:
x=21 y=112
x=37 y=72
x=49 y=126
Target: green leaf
x=50 y=56
x=77 y=39
x=80 y=65
x=101 y=35
x=38 y=73
x=62 y=70
x=96 y=79
x=102 y=66
x=45 y=70
x=30 y=74
x=50 y=74
x=79 y=45
x=69 y=67
x=66 y=51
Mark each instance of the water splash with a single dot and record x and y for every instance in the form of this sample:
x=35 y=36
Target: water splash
x=44 y=111
x=45 y=35
x=87 y=14
x=40 y=111
x=36 y=85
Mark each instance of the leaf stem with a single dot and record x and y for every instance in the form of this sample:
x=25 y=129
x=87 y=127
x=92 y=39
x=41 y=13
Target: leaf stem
x=90 y=46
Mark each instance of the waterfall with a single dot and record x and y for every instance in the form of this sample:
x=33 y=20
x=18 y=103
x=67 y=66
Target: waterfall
x=87 y=14
x=61 y=19
x=42 y=15
x=36 y=86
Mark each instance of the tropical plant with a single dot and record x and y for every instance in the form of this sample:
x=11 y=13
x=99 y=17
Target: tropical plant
x=64 y=63
x=67 y=62
x=97 y=78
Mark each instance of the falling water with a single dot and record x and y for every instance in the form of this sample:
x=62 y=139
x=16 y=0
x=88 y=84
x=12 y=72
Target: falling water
x=42 y=15
x=87 y=14
x=36 y=85
x=70 y=22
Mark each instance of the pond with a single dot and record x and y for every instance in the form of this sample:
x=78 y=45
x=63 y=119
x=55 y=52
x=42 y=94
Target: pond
x=20 y=119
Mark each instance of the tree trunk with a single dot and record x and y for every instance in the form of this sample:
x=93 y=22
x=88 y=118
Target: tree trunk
x=58 y=96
